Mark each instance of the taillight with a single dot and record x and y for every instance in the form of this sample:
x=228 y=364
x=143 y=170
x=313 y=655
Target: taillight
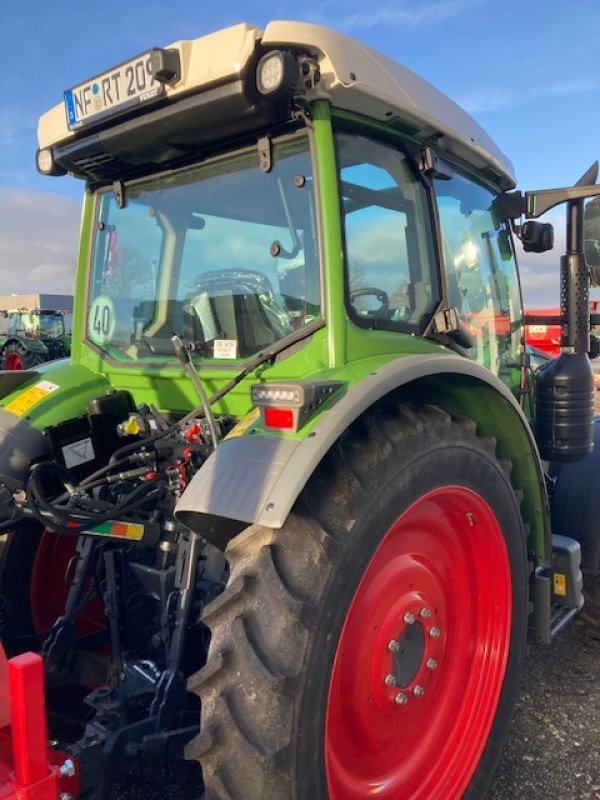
x=279 y=418
x=285 y=407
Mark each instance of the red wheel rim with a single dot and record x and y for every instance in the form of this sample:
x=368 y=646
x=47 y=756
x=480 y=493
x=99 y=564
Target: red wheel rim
x=13 y=361
x=49 y=586
x=438 y=586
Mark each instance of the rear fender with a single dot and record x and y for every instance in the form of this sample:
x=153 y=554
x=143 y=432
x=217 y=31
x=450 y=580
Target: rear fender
x=257 y=479
x=10 y=380
x=20 y=444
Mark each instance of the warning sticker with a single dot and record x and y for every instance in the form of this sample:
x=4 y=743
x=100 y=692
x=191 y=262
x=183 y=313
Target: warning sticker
x=119 y=530
x=225 y=348
x=243 y=425
x=78 y=453
x=21 y=404
x=560 y=584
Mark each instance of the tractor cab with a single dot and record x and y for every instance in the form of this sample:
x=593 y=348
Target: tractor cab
x=248 y=191
x=37 y=323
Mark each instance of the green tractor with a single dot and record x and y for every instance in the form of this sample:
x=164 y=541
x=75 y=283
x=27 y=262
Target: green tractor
x=32 y=337
x=287 y=509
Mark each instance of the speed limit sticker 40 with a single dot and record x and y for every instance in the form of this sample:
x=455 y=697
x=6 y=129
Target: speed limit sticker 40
x=101 y=320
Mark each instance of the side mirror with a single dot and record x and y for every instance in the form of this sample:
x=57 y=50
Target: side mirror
x=591 y=239
x=536 y=237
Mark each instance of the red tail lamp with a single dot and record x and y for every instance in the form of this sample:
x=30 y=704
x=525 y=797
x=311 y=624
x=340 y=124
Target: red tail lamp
x=285 y=407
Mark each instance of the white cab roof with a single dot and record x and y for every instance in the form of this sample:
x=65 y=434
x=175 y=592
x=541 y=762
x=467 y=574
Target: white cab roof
x=353 y=77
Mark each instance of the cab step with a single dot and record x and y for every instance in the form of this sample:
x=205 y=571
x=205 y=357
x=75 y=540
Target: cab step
x=557 y=591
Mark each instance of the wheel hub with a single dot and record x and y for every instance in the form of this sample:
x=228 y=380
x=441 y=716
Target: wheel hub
x=412 y=656
x=415 y=652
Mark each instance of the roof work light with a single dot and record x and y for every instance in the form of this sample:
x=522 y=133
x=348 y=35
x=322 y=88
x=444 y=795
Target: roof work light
x=277 y=73
x=45 y=163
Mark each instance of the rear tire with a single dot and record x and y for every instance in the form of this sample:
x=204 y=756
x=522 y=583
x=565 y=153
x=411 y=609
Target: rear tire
x=411 y=510
x=17 y=357
x=34 y=563
x=16 y=565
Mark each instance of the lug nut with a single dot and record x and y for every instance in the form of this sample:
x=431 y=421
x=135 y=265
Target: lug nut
x=409 y=618
x=393 y=646
x=425 y=613
x=418 y=691
x=434 y=633
x=67 y=769
x=401 y=699
x=431 y=663
x=389 y=680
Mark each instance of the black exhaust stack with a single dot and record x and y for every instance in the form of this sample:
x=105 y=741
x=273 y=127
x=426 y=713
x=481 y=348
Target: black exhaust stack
x=564 y=387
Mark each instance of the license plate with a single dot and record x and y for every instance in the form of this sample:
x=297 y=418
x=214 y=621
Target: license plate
x=112 y=92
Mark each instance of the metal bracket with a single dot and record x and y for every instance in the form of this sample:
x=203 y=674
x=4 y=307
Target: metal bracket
x=434 y=166
x=265 y=153
x=447 y=321
x=119 y=192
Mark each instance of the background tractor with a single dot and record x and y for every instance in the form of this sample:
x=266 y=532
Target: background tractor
x=31 y=337
x=286 y=509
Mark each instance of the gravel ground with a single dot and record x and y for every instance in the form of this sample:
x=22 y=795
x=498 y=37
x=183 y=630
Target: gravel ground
x=553 y=749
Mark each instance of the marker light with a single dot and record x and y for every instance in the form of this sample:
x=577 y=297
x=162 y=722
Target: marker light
x=285 y=407
x=46 y=164
x=276 y=73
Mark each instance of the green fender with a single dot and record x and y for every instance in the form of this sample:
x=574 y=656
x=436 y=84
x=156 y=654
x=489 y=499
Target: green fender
x=257 y=479
x=34 y=345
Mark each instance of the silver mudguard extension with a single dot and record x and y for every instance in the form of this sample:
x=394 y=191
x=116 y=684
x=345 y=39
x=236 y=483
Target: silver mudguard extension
x=257 y=479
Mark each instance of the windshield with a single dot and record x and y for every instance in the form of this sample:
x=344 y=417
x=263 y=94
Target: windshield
x=223 y=254
x=51 y=324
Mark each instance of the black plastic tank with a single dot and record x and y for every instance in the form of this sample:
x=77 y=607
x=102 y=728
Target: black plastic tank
x=107 y=411
x=564 y=408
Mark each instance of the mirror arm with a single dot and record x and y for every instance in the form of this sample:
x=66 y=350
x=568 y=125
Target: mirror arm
x=533 y=204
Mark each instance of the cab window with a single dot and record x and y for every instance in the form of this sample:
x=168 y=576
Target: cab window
x=390 y=274
x=481 y=276
x=223 y=254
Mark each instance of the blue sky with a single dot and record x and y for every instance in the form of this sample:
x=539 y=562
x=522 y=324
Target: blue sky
x=527 y=71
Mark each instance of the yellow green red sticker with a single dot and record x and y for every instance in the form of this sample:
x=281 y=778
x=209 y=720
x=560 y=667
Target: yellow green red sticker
x=119 y=530
x=27 y=399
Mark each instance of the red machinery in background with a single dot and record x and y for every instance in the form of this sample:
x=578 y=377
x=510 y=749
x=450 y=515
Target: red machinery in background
x=544 y=333
x=543 y=327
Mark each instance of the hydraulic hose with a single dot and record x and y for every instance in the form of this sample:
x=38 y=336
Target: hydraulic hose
x=73 y=521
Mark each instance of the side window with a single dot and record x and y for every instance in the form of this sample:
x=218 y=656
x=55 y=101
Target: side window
x=128 y=247
x=481 y=274
x=389 y=256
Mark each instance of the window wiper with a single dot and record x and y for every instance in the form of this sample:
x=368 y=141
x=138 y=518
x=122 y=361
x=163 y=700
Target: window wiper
x=163 y=346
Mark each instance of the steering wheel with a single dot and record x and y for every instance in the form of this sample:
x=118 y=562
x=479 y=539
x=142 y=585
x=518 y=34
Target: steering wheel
x=379 y=294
